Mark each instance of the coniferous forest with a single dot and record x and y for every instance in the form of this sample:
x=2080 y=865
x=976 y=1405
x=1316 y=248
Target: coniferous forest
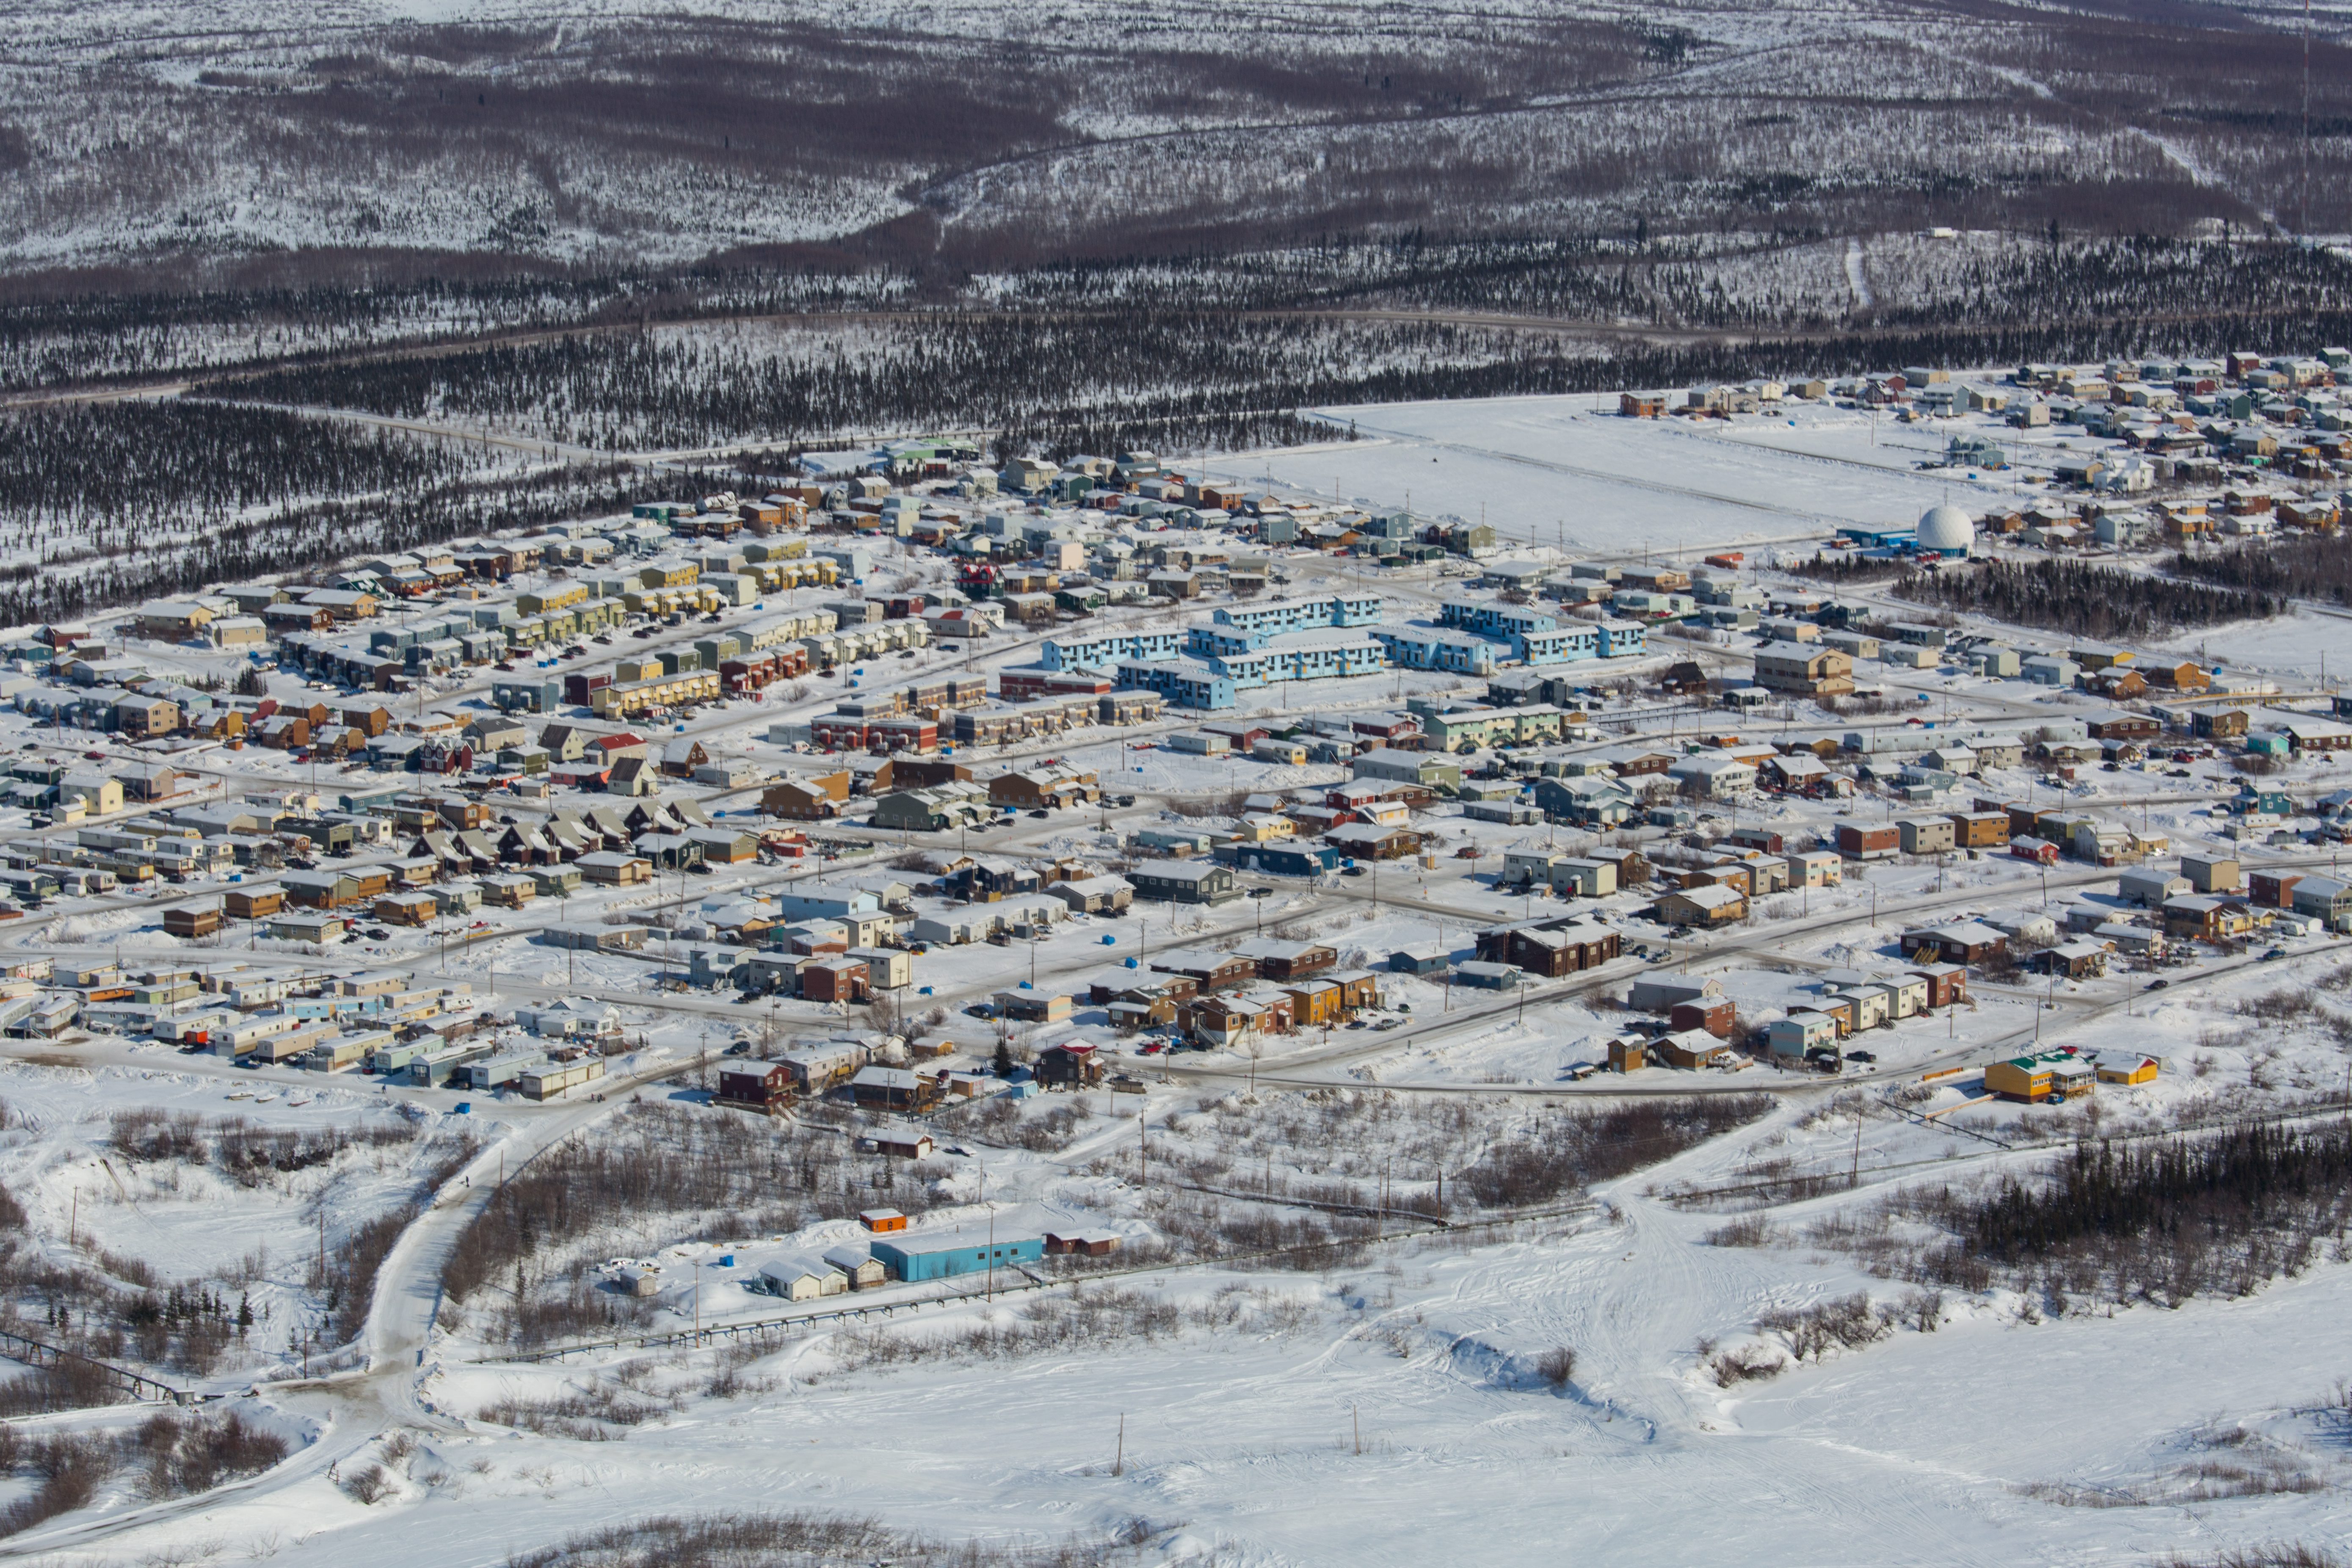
x=2083 y=600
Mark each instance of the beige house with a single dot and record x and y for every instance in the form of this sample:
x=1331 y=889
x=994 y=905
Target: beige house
x=1804 y=668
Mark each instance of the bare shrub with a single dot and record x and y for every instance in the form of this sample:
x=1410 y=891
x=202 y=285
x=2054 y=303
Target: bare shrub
x=69 y=1470
x=366 y=1485
x=1848 y=1322
x=2282 y=1555
x=73 y=1384
x=1572 y=1149
x=181 y=1456
x=186 y=1456
x=727 y=1379
x=1747 y=1363
x=810 y=1541
x=1082 y=1319
x=1556 y=1366
x=2265 y=1476
x=1000 y=1120
x=591 y=1413
x=1747 y=1230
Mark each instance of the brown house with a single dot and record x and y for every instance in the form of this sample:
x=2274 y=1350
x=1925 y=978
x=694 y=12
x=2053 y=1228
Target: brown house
x=840 y=979
x=254 y=903
x=192 y=920
x=1715 y=1014
x=1068 y=1067
x=1278 y=959
x=1051 y=787
x=2185 y=676
x=1207 y=968
x=1979 y=829
x=922 y=773
x=764 y=1087
x=1947 y=983
x=1739 y=878
x=1548 y=948
x=2122 y=685
x=810 y=798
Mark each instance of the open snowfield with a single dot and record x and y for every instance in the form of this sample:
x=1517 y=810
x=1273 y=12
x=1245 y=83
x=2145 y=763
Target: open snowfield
x=1555 y=471
x=1382 y=1413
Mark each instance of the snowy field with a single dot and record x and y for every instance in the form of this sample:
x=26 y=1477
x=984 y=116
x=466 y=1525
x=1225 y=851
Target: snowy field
x=1361 y=1414
x=1569 y=472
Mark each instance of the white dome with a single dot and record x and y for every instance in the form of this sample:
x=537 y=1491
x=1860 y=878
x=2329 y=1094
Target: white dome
x=1946 y=527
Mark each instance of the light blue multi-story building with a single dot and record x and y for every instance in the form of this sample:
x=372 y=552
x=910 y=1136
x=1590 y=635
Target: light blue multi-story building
x=1500 y=621
x=1278 y=615
x=1619 y=639
x=1558 y=644
x=1180 y=682
x=1431 y=648
x=1535 y=637
x=1108 y=650
x=1302 y=656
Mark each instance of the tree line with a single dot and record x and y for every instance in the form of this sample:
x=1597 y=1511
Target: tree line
x=108 y=504
x=93 y=467
x=2162 y=1220
x=1065 y=380
x=2083 y=600
x=2315 y=566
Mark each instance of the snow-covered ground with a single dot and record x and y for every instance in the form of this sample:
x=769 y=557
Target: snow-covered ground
x=1567 y=472
x=1372 y=1412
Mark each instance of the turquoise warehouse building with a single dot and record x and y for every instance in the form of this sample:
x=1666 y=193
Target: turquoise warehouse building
x=937 y=1257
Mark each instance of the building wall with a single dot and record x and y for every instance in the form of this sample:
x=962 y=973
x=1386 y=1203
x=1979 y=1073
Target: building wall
x=917 y=1260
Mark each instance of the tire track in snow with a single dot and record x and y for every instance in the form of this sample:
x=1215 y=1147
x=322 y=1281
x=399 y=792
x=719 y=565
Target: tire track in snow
x=1857 y=277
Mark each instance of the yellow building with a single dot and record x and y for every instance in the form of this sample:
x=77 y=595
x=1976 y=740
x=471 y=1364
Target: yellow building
x=2046 y=1074
x=554 y=596
x=637 y=696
